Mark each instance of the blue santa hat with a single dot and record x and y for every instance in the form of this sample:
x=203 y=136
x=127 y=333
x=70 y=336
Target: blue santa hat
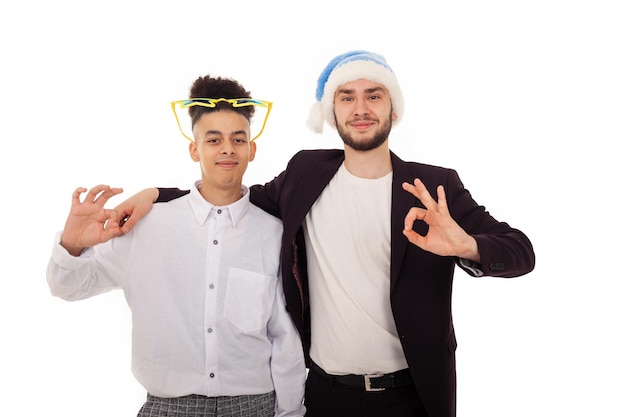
x=345 y=68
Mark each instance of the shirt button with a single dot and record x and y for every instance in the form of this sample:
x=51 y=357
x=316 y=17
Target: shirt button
x=212 y=375
x=211 y=286
x=210 y=330
x=215 y=242
x=219 y=211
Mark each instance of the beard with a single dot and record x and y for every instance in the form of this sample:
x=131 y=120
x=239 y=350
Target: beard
x=380 y=136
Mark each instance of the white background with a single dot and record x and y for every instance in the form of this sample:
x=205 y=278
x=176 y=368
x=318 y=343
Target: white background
x=526 y=99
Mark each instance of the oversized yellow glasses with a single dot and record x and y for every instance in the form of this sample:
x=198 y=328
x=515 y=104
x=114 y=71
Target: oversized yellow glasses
x=179 y=105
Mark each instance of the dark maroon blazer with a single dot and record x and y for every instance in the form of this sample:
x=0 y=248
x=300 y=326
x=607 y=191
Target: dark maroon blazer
x=421 y=282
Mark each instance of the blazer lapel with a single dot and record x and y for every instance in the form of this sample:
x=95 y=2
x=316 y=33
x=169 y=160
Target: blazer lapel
x=401 y=202
x=308 y=190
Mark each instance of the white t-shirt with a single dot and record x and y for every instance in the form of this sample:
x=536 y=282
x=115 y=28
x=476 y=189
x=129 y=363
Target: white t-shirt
x=348 y=243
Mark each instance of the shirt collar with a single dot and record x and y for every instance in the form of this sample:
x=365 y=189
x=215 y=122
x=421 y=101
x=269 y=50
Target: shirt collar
x=202 y=209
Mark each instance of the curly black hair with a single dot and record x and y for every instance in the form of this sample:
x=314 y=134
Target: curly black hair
x=218 y=87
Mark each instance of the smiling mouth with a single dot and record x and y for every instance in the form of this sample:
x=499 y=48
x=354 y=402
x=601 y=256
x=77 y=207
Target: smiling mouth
x=227 y=164
x=361 y=125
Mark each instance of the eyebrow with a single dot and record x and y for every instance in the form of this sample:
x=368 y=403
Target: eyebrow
x=367 y=90
x=219 y=132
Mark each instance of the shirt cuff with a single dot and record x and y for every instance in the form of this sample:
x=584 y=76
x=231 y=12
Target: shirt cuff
x=471 y=267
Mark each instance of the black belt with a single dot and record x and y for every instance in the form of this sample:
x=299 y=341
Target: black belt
x=371 y=382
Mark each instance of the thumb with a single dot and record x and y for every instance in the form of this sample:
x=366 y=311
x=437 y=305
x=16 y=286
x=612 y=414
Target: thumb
x=127 y=223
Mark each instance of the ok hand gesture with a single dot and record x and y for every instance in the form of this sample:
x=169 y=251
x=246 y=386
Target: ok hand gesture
x=444 y=237
x=89 y=223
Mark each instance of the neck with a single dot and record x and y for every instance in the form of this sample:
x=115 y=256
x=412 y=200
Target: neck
x=372 y=164
x=220 y=197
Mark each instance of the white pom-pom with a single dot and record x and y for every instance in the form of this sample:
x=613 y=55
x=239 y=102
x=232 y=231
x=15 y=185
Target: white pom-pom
x=315 y=122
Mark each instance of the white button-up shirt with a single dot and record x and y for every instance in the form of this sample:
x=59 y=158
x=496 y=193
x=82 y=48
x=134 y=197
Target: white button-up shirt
x=208 y=309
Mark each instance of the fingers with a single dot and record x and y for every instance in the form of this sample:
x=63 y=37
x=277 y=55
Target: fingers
x=113 y=219
x=76 y=195
x=112 y=224
x=93 y=193
x=134 y=208
x=415 y=238
x=126 y=220
x=99 y=194
x=127 y=223
x=415 y=213
x=107 y=194
x=441 y=199
x=418 y=189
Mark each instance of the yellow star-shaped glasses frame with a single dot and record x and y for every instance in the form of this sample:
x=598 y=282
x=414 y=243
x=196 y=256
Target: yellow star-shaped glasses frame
x=212 y=102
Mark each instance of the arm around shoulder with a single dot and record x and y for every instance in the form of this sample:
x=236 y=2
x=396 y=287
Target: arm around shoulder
x=136 y=207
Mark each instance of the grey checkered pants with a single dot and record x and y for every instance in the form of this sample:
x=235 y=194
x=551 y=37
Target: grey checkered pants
x=200 y=406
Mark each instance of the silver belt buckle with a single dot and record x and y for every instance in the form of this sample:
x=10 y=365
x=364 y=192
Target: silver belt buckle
x=368 y=382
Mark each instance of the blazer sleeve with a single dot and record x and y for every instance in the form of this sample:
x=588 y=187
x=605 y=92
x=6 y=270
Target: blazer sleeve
x=504 y=251
x=267 y=196
x=271 y=196
x=169 y=194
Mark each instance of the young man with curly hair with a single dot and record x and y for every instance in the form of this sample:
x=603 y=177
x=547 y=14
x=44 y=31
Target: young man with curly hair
x=201 y=274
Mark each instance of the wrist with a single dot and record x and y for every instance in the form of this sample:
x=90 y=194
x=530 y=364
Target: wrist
x=471 y=250
x=72 y=249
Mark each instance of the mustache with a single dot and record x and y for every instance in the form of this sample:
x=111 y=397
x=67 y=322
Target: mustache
x=363 y=119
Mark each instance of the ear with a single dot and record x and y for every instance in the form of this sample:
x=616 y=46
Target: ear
x=394 y=116
x=252 y=151
x=193 y=152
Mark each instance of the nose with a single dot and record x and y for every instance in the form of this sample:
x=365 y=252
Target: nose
x=227 y=148
x=360 y=107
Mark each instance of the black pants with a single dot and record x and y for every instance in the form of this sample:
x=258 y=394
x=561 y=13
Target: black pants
x=326 y=398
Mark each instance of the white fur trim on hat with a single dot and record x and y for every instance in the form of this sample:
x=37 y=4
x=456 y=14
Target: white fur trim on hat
x=315 y=122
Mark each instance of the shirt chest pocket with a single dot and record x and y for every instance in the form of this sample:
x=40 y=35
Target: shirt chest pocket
x=249 y=299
